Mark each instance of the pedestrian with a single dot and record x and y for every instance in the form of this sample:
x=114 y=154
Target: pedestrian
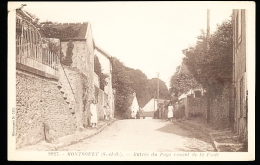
x=105 y=112
x=93 y=111
x=108 y=111
x=170 y=112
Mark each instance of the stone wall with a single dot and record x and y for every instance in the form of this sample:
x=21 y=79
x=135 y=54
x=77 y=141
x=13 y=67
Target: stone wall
x=220 y=107
x=197 y=106
x=38 y=101
x=83 y=93
x=102 y=99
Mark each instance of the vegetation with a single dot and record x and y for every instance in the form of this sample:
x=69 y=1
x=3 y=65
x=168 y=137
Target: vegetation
x=121 y=83
x=210 y=66
x=68 y=58
x=127 y=80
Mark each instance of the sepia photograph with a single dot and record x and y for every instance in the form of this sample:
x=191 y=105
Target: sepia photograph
x=131 y=81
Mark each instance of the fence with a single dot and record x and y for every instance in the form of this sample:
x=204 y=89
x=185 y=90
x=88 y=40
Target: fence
x=30 y=50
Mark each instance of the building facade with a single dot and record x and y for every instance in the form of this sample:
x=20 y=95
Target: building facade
x=106 y=64
x=53 y=86
x=240 y=73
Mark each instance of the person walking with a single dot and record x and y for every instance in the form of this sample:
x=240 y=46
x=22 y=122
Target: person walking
x=170 y=112
x=93 y=111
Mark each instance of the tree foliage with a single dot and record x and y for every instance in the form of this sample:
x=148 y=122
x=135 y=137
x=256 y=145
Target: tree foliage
x=121 y=83
x=182 y=83
x=68 y=58
x=127 y=80
x=145 y=89
x=211 y=65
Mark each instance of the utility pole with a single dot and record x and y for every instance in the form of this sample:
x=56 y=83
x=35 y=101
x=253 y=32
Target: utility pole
x=154 y=102
x=157 y=87
x=207 y=46
x=158 y=94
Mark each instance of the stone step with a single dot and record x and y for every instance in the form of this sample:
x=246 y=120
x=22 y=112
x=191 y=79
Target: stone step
x=65 y=96
x=70 y=106
x=59 y=84
x=61 y=90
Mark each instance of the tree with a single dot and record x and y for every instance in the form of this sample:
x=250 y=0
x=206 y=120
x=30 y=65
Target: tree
x=122 y=84
x=145 y=88
x=163 y=90
x=68 y=58
x=212 y=66
x=182 y=82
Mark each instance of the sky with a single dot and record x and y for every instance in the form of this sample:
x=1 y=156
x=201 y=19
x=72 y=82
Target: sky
x=149 y=36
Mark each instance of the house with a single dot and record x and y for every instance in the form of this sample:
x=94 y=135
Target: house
x=134 y=106
x=154 y=107
x=53 y=86
x=80 y=35
x=76 y=74
x=240 y=90
x=191 y=99
x=106 y=64
x=147 y=115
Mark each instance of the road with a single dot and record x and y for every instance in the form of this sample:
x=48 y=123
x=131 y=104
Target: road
x=144 y=135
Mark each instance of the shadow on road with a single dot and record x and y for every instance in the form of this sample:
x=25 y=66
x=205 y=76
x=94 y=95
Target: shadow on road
x=185 y=132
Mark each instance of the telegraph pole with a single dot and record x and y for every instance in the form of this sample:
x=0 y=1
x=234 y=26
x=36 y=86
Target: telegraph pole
x=157 y=87
x=158 y=95
x=154 y=102
x=207 y=46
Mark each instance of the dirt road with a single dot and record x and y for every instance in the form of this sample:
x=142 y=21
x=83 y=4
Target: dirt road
x=144 y=135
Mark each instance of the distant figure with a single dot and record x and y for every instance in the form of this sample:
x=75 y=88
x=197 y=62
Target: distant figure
x=93 y=111
x=105 y=112
x=133 y=115
x=170 y=112
x=108 y=111
x=138 y=115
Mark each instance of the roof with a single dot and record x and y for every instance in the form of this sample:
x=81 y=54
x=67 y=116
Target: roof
x=152 y=104
x=103 y=52
x=65 y=31
x=147 y=114
x=131 y=98
x=184 y=69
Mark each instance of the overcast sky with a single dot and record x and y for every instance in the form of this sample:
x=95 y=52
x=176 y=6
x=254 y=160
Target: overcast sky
x=149 y=36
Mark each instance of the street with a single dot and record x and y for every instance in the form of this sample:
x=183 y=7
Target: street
x=144 y=135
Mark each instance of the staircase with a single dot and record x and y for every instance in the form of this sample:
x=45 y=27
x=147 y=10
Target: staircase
x=65 y=89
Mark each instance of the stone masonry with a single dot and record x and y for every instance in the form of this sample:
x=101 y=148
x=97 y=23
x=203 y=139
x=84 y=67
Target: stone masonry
x=220 y=107
x=39 y=101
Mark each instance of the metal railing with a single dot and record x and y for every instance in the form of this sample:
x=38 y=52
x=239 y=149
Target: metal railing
x=30 y=50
